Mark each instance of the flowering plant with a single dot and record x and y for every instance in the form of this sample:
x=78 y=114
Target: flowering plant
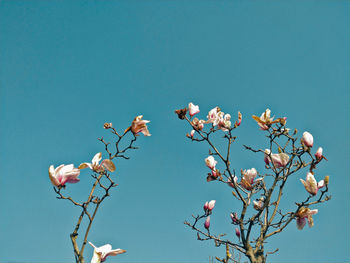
x=258 y=193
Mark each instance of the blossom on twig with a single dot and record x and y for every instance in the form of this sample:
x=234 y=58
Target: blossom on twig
x=138 y=125
x=63 y=174
x=193 y=109
x=304 y=214
x=101 y=253
x=207 y=223
x=278 y=159
x=248 y=178
x=311 y=184
x=96 y=166
x=307 y=139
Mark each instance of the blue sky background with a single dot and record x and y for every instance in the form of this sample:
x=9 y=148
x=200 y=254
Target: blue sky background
x=66 y=67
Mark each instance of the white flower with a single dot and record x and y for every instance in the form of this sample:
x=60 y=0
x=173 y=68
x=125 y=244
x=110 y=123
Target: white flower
x=193 y=109
x=63 y=174
x=101 y=253
x=96 y=166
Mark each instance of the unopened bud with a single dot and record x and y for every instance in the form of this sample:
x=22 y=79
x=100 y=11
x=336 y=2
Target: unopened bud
x=207 y=222
x=326 y=180
x=238 y=233
x=307 y=139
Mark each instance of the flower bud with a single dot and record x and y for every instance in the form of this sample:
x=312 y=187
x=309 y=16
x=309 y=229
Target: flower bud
x=193 y=109
x=211 y=205
x=307 y=139
x=205 y=207
x=238 y=233
x=192 y=133
x=207 y=222
x=210 y=162
x=234 y=218
x=318 y=153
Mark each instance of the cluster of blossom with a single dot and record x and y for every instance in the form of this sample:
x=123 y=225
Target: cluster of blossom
x=281 y=160
x=208 y=207
x=63 y=174
x=215 y=116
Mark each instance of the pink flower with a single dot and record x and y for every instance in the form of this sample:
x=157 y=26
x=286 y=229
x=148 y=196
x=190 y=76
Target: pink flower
x=224 y=122
x=311 y=184
x=210 y=162
x=304 y=214
x=207 y=223
x=198 y=124
x=205 y=207
x=193 y=109
x=307 y=139
x=258 y=205
x=318 y=153
x=192 y=133
x=138 y=125
x=234 y=218
x=232 y=184
x=279 y=160
x=238 y=233
x=214 y=116
x=248 y=178
x=211 y=205
x=264 y=120
x=96 y=166
x=101 y=253
x=63 y=174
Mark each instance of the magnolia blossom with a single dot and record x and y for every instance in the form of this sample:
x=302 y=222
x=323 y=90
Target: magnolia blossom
x=238 y=233
x=278 y=159
x=319 y=153
x=265 y=120
x=311 y=184
x=198 y=124
x=232 y=184
x=101 y=253
x=138 y=125
x=193 y=109
x=107 y=125
x=211 y=162
x=304 y=214
x=207 y=222
x=213 y=175
x=214 y=116
x=258 y=205
x=234 y=218
x=211 y=205
x=224 y=122
x=98 y=167
x=307 y=139
x=63 y=174
x=248 y=178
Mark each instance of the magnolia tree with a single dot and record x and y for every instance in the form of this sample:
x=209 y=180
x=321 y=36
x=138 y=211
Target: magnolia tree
x=102 y=183
x=257 y=193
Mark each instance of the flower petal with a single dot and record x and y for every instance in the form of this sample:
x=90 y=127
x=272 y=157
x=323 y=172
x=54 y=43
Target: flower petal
x=108 y=164
x=97 y=158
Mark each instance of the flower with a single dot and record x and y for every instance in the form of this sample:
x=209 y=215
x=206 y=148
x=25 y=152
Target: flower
x=193 y=109
x=232 y=184
x=63 y=174
x=207 y=223
x=107 y=125
x=192 y=133
x=214 y=116
x=205 y=207
x=211 y=162
x=238 y=233
x=96 y=166
x=138 y=125
x=311 y=184
x=258 y=205
x=181 y=113
x=307 y=139
x=197 y=124
x=234 y=218
x=303 y=214
x=224 y=122
x=101 y=253
x=265 y=120
x=213 y=175
x=248 y=178
x=211 y=205
x=278 y=159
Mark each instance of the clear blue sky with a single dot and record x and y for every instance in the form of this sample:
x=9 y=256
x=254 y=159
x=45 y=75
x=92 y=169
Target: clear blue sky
x=67 y=66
